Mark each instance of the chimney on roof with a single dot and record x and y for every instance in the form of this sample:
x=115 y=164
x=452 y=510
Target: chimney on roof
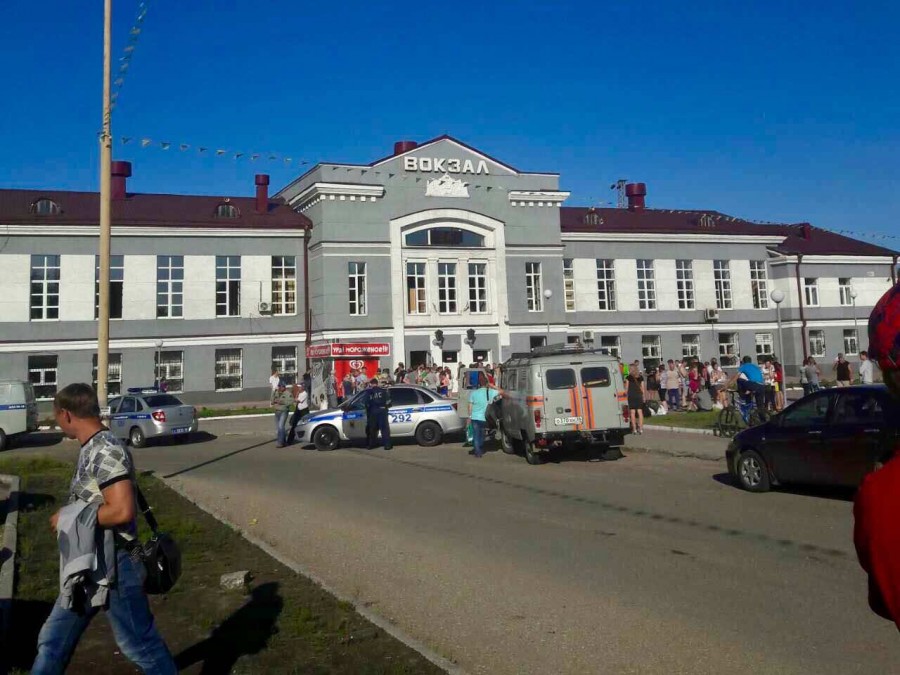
x=635 y=193
x=805 y=230
x=119 y=171
x=404 y=146
x=262 y=193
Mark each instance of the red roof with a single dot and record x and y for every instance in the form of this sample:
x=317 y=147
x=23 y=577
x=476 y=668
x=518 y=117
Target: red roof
x=798 y=238
x=147 y=210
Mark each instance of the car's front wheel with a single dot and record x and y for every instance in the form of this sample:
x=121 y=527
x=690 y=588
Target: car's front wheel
x=429 y=434
x=326 y=438
x=752 y=472
x=136 y=438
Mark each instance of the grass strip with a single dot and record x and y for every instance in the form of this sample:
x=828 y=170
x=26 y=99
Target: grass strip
x=685 y=420
x=284 y=623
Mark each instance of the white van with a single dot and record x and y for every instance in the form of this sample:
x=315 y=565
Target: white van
x=18 y=410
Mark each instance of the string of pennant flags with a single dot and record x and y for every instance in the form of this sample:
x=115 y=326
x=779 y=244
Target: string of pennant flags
x=134 y=35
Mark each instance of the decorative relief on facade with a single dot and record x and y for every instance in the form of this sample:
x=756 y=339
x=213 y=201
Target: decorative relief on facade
x=446 y=186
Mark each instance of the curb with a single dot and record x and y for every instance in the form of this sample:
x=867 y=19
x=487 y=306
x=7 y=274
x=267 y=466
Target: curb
x=681 y=430
x=383 y=624
x=8 y=567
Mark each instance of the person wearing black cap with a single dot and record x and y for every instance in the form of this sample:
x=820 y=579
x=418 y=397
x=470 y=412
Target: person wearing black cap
x=377 y=415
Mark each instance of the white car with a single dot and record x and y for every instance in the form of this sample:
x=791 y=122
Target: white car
x=414 y=412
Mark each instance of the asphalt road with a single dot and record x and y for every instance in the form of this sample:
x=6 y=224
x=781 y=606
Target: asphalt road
x=648 y=564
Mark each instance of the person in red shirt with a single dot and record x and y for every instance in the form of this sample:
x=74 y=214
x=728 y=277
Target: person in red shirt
x=875 y=534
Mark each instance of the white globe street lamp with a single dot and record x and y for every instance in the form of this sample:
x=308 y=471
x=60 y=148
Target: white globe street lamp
x=547 y=295
x=777 y=296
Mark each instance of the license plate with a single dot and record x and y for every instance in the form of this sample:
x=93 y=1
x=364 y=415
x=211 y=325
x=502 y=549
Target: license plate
x=567 y=420
x=181 y=430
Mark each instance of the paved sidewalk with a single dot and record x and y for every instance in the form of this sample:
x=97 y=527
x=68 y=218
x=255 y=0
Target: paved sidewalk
x=678 y=444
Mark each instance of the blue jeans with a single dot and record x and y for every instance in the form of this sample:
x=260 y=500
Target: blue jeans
x=130 y=618
x=478 y=437
x=280 y=432
x=673 y=396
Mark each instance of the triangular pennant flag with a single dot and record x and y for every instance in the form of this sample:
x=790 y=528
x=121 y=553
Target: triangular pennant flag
x=303 y=162
x=183 y=147
x=135 y=31
x=238 y=155
x=125 y=140
x=362 y=172
x=287 y=160
x=127 y=50
x=220 y=152
x=334 y=168
x=273 y=157
x=145 y=142
x=165 y=145
x=390 y=175
x=418 y=179
x=254 y=157
x=119 y=81
x=201 y=150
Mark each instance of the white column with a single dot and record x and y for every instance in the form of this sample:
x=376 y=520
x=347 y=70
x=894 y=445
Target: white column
x=666 y=288
x=741 y=292
x=15 y=300
x=256 y=283
x=200 y=287
x=626 y=284
x=139 y=290
x=704 y=284
x=584 y=271
x=76 y=288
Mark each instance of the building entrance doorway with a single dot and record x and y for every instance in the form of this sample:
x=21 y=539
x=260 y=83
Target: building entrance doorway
x=419 y=358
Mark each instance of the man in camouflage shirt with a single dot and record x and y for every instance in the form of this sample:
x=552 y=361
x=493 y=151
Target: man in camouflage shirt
x=105 y=474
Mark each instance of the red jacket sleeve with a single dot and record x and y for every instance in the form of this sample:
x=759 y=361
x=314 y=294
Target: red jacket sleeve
x=877 y=538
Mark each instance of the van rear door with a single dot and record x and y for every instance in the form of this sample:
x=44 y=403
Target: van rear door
x=30 y=406
x=562 y=399
x=599 y=391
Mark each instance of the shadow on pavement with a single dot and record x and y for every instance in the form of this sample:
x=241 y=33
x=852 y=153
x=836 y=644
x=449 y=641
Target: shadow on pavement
x=247 y=631
x=841 y=494
x=220 y=458
x=26 y=619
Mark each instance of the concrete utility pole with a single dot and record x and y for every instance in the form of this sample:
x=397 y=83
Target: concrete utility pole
x=105 y=210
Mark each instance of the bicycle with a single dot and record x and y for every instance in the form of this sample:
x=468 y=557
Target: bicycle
x=739 y=414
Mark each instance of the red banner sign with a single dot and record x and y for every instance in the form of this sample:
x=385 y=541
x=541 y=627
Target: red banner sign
x=348 y=350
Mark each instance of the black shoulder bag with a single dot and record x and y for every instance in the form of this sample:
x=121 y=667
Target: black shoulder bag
x=160 y=555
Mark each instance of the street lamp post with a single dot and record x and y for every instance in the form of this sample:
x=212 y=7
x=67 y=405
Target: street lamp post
x=159 y=344
x=777 y=296
x=853 y=295
x=547 y=295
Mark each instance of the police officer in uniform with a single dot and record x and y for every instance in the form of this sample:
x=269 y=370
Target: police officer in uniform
x=377 y=415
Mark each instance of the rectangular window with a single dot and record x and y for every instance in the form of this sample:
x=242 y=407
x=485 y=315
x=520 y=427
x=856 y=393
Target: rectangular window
x=170 y=369
x=44 y=287
x=684 y=279
x=765 y=346
x=228 y=285
x=42 y=375
x=606 y=285
x=690 y=345
x=846 y=291
x=169 y=286
x=356 y=274
x=537 y=341
x=651 y=346
x=447 y=288
x=285 y=360
x=729 y=349
x=569 y=283
x=595 y=376
x=113 y=377
x=284 y=285
x=759 y=284
x=116 y=285
x=228 y=369
x=415 y=288
x=478 y=288
x=612 y=344
x=534 y=291
x=817 y=343
x=811 y=292
x=851 y=342
x=559 y=378
x=722 y=277
x=646 y=279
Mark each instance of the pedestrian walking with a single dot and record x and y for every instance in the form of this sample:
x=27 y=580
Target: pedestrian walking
x=812 y=374
x=281 y=403
x=301 y=403
x=377 y=415
x=843 y=371
x=866 y=371
x=273 y=381
x=637 y=394
x=479 y=400
x=331 y=390
x=104 y=484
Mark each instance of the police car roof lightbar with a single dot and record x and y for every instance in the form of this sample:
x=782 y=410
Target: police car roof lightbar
x=143 y=390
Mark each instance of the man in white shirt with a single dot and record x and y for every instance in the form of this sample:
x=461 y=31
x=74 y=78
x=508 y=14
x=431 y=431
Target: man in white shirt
x=866 y=369
x=273 y=381
x=301 y=396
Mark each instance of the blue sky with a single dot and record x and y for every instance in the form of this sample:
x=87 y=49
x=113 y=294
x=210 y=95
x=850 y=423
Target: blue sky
x=765 y=110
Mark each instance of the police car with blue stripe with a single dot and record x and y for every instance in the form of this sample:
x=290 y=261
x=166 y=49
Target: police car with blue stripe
x=147 y=412
x=415 y=412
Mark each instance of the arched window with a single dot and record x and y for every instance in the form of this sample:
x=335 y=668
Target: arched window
x=45 y=207
x=227 y=211
x=445 y=237
x=593 y=218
